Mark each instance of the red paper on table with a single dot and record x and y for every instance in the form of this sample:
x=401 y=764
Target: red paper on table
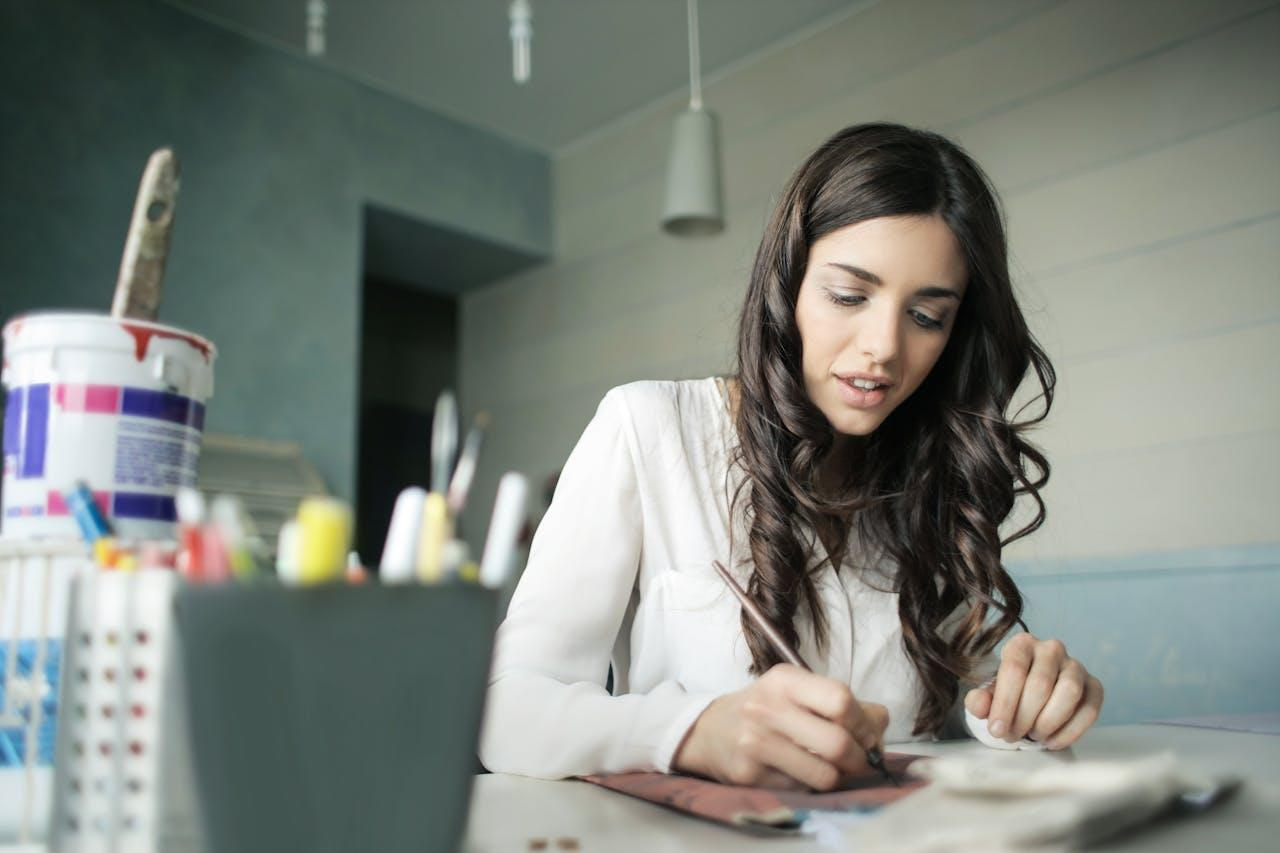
x=764 y=808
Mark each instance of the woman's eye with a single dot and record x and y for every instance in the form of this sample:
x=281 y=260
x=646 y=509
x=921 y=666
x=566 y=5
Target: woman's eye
x=850 y=299
x=926 y=321
x=845 y=298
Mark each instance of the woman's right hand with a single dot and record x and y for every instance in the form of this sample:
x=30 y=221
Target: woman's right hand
x=789 y=729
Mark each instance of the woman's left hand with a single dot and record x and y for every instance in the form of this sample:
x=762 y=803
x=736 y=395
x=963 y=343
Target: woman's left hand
x=1039 y=692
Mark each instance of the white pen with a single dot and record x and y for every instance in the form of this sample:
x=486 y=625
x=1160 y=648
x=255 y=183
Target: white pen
x=504 y=528
x=287 y=553
x=400 y=553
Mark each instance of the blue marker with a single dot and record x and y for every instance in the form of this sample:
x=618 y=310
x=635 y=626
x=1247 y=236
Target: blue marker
x=93 y=525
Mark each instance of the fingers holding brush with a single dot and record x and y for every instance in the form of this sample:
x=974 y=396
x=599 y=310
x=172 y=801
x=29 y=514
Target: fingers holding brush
x=790 y=721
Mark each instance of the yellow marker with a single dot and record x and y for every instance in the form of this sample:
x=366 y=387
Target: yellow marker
x=437 y=529
x=324 y=536
x=105 y=552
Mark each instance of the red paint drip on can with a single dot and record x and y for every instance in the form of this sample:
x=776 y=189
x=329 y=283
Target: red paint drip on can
x=142 y=336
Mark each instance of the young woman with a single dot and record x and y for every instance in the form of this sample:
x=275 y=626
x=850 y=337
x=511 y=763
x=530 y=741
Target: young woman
x=853 y=476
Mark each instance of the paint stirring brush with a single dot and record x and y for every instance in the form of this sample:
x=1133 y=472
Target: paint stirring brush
x=874 y=757
x=146 y=247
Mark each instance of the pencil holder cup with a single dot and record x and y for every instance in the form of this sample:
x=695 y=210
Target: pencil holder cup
x=335 y=718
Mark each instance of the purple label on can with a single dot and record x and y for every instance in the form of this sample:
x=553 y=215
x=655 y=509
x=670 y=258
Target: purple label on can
x=140 y=505
x=163 y=406
x=26 y=430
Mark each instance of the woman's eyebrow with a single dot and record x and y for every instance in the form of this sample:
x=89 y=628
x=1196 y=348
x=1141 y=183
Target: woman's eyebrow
x=870 y=277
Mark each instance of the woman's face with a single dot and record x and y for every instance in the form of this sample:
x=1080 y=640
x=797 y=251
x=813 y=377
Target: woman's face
x=878 y=302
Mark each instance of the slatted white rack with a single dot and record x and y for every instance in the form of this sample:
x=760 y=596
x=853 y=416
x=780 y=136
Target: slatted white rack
x=34 y=579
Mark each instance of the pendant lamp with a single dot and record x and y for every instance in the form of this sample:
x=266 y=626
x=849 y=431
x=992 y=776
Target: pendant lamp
x=317 y=11
x=694 y=203
x=521 y=15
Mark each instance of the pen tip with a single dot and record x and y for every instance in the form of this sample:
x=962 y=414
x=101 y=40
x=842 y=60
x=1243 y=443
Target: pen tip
x=876 y=759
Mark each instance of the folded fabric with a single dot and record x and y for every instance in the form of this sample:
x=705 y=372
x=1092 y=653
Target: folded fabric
x=763 y=810
x=1003 y=801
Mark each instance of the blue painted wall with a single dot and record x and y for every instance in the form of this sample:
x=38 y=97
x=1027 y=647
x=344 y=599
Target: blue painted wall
x=1184 y=633
x=279 y=158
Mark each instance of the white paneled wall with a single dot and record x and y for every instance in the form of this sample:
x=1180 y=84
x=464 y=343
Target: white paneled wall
x=1137 y=148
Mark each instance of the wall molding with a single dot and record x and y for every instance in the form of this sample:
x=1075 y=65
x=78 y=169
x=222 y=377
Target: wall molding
x=1152 y=565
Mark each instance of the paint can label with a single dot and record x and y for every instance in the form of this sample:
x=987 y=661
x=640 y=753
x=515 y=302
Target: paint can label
x=134 y=446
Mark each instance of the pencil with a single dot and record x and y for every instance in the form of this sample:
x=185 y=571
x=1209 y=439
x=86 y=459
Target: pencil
x=874 y=756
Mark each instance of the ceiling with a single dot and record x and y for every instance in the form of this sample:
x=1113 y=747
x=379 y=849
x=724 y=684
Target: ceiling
x=594 y=61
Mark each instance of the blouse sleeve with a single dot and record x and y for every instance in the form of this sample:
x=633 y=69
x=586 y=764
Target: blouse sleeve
x=547 y=711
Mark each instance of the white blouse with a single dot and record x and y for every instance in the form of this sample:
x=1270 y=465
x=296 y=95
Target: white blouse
x=620 y=571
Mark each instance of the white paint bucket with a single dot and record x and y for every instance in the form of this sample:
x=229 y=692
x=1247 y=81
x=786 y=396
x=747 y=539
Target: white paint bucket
x=117 y=403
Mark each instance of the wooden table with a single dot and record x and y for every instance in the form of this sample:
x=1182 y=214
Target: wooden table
x=507 y=812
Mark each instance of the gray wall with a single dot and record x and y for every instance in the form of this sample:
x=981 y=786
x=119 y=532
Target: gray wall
x=1135 y=145
x=278 y=159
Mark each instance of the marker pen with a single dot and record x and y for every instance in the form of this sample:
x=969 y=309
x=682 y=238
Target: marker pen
x=191 y=515
x=356 y=573
x=324 y=537
x=400 y=552
x=436 y=530
x=85 y=510
x=287 y=553
x=233 y=526
x=504 y=528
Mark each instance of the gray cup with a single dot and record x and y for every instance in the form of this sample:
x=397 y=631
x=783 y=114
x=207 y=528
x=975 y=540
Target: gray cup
x=335 y=718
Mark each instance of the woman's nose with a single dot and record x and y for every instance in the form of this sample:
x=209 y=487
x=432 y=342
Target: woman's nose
x=879 y=337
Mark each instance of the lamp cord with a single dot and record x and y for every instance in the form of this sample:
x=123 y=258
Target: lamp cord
x=695 y=71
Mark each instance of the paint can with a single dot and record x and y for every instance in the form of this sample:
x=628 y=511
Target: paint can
x=117 y=403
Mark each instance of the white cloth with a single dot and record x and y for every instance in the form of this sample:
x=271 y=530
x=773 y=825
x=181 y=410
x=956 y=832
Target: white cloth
x=994 y=801
x=620 y=569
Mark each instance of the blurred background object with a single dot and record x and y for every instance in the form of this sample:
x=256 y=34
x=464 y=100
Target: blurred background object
x=269 y=477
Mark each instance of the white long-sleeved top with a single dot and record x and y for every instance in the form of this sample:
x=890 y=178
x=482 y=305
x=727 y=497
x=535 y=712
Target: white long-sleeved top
x=620 y=570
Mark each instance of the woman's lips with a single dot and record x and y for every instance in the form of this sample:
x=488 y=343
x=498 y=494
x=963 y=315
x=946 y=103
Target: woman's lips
x=859 y=399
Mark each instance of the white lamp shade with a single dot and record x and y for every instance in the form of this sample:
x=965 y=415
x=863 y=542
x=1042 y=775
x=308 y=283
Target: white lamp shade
x=694 y=205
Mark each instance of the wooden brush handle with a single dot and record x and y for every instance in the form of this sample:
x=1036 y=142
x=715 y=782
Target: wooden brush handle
x=139 y=287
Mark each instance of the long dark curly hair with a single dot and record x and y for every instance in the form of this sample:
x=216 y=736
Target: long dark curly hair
x=931 y=486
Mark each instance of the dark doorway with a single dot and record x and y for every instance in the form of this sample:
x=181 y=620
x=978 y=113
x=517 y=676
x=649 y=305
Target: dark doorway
x=414 y=274
x=408 y=356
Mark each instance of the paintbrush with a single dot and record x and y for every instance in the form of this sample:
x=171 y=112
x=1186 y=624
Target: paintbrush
x=464 y=474
x=874 y=757
x=141 y=279
x=444 y=441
